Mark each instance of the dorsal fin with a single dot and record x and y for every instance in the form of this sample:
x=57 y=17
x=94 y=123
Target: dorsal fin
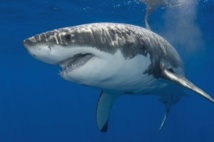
x=104 y=106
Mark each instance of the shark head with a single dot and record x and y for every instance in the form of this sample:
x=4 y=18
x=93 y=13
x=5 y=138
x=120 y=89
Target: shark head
x=80 y=62
x=52 y=47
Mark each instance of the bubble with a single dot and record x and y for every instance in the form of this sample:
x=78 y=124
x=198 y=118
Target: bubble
x=181 y=27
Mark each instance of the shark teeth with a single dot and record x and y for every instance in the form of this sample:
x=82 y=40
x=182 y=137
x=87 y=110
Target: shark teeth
x=74 y=62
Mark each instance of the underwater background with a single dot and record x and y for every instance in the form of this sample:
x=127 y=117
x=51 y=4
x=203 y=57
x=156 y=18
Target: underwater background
x=36 y=105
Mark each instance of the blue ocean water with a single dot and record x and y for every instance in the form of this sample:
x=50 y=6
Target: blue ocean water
x=36 y=105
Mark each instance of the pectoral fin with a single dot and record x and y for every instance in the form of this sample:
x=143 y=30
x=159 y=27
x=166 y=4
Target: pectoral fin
x=105 y=103
x=182 y=81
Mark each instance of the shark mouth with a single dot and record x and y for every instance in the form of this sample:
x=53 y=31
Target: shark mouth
x=74 y=62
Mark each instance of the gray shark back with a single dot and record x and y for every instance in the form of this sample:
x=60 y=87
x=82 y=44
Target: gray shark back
x=131 y=40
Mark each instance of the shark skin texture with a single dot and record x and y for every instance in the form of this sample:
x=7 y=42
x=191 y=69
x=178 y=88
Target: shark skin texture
x=119 y=59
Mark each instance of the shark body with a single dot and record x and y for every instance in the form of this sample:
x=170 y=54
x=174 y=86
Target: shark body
x=116 y=58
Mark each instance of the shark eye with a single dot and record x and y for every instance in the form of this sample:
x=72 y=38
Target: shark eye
x=67 y=36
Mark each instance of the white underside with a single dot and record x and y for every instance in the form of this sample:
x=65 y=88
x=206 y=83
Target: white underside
x=106 y=71
x=114 y=73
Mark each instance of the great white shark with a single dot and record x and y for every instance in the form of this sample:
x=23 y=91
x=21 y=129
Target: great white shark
x=119 y=59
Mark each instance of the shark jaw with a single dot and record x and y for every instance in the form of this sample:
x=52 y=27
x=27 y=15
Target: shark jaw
x=69 y=58
x=74 y=62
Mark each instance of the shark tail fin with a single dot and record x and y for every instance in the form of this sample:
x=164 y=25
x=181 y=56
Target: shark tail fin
x=182 y=81
x=104 y=106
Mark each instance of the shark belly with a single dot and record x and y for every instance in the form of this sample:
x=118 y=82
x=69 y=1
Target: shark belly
x=116 y=74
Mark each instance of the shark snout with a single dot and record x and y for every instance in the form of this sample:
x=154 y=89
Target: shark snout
x=27 y=43
x=40 y=50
